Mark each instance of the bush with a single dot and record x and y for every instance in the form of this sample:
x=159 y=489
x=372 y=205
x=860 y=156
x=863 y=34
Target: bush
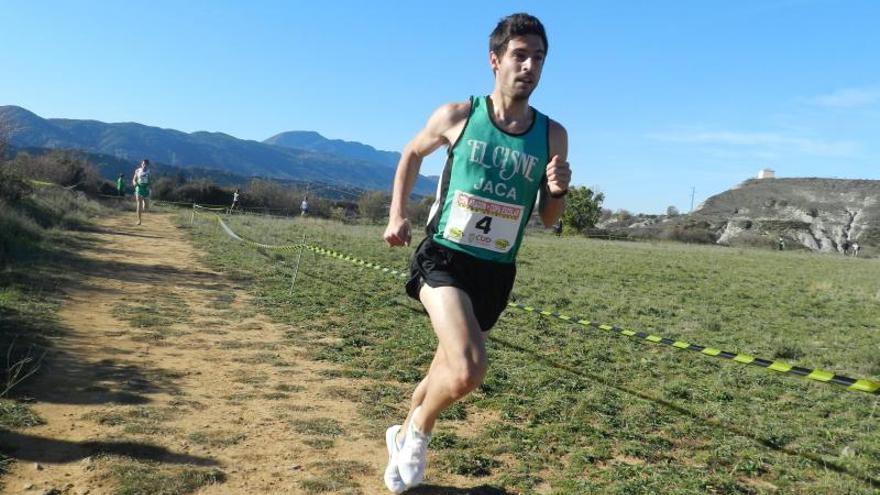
x=199 y=191
x=164 y=188
x=373 y=206
x=694 y=234
x=339 y=214
x=418 y=212
x=751 y=239
x=269 y=194
x=62 y=167
x=12 y=186
x=20 y=233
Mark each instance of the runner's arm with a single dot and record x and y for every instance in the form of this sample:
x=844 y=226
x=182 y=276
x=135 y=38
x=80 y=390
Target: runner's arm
x=558 y=176
x=432 y=136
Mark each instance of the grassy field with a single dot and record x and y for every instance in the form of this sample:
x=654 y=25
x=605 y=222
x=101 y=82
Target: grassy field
x=571 y=410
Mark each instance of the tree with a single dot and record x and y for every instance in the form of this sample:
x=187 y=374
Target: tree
x=671 y=211
x=418 y=211
x=267 y=194
x=4 y=142
x=582 y=209
x=373 y=206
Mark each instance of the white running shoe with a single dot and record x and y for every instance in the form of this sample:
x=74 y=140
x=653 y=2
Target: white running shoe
x=392 y=475
x=413 y=456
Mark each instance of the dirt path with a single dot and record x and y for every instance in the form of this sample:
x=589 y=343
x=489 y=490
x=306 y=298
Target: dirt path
x=162 y=361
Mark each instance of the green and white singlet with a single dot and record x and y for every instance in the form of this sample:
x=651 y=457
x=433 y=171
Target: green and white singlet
x=489 y=185
x=142 y=183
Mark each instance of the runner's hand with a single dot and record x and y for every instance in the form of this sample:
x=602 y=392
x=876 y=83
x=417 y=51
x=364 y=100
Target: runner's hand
x=558 y=175
x=398 y=232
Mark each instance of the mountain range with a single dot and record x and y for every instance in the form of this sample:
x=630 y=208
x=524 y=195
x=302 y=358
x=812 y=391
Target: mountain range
x=295 y=155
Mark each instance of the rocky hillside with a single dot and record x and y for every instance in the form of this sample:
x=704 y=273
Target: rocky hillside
x=824 y=215
x=819 y=214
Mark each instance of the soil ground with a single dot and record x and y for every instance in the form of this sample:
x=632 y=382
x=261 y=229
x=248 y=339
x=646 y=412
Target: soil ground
x=164 y=361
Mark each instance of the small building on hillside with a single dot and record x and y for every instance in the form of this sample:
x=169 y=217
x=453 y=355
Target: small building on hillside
x=766 y=174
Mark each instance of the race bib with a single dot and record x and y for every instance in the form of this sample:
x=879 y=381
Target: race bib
x=144 y=178
x=485 y=223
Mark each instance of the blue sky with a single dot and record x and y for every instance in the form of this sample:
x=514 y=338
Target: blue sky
x=657 y=97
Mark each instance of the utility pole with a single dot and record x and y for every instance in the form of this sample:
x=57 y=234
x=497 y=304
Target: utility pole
x=693 y=190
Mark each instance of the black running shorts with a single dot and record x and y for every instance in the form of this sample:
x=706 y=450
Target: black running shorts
x=487 y=283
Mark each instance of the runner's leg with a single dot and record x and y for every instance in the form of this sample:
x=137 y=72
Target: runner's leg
x=418 y=395
x=460 y=362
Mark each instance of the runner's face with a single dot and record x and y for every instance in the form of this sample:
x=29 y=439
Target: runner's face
x=518 y=71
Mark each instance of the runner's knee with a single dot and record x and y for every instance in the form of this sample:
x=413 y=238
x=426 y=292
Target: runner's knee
x=466 y=375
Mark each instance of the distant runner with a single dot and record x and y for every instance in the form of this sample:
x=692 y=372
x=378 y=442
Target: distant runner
x=141 y=183
x=120 y=185
x=304 y=206
x=235 y=198
x=503 y=155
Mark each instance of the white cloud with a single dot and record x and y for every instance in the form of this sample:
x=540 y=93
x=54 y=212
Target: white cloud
x=848 y=98
x=766 y=143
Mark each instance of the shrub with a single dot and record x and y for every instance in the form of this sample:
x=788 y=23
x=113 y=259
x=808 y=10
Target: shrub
x=692 y=234
x=373 y=206
x=418 y=212
x=20 y=233
x=12 y=186
x=200 y=191
x=338 y=213
x=62 y=167
x=268 y=194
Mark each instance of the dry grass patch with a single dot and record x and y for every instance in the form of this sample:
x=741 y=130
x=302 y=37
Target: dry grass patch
x=336 y=476
x=133 y=477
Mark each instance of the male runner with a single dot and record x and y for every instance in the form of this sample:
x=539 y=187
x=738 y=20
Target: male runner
x=235 y=199
x=502 y=156
x=120 y=186
x=141 y=183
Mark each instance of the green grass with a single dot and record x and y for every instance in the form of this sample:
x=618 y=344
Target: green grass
x=269 y=358
x=589 y=412
x=141 y=420
x=335 y=476
x=321 y=427
x=17 y=415
x=132 y=477
x=164 y=310
x=216 y=438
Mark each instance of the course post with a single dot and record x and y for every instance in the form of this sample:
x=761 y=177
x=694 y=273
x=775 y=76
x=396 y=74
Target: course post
x=298 y=259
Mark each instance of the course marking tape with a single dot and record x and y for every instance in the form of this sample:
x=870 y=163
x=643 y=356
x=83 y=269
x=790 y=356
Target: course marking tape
x=859 y=385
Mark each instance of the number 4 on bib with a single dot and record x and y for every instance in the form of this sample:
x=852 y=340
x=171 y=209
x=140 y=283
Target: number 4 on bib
x=485 y=224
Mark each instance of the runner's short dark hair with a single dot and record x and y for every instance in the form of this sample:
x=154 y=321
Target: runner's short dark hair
x=520 y=24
